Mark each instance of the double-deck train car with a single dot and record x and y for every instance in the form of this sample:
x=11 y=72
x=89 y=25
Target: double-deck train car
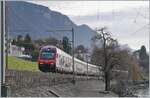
x=53 y=59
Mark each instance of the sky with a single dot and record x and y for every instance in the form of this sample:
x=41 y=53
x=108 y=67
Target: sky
x=128 y=21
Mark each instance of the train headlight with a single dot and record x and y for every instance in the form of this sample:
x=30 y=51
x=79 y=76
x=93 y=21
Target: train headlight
x=41 y=63
x=52 y=63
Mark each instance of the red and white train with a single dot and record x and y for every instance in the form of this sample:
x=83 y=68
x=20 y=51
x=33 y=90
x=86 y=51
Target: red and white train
x=53 y=59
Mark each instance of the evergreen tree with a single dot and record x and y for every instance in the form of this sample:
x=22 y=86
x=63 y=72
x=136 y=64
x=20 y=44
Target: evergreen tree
x=66 y=45
x=142 y=54
x=28 y=45
x=14 y=42
x=19 y=40
x=144 y=58
x=27 y=39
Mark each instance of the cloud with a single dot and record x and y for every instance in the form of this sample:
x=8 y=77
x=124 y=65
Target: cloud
x=127 y=26
x=83 y=8
x=125 y=19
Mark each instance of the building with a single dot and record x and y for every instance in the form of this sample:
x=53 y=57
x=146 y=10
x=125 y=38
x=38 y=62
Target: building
x=15 y=50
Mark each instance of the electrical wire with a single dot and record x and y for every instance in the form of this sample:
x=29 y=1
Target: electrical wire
x=139 y=29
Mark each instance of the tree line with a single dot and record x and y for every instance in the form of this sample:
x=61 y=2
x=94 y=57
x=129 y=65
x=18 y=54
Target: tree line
x=107 y=53
x=32 y=47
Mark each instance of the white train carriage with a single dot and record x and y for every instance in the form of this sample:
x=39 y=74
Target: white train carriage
x=53 y=59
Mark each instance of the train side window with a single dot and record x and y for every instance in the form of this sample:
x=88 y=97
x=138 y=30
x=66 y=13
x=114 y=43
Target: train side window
x=63 y=60
x=68 y=60
x=57 y=55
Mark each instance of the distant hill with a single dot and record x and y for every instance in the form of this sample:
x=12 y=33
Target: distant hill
x=38 y=21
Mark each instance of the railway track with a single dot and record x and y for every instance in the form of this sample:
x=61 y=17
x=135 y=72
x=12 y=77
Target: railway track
x=54 y=93
x=26 y=83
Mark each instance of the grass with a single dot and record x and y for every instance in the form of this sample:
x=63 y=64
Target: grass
x=20 y=64
x=136 y=74
x=145 y=76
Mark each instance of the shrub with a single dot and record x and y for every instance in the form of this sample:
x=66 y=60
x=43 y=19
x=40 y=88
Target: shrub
x=34 y=55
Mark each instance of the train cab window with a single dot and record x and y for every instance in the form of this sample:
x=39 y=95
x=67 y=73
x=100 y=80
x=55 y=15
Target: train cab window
x=47 y=55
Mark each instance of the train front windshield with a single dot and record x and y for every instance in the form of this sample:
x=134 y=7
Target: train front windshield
x=47 y=55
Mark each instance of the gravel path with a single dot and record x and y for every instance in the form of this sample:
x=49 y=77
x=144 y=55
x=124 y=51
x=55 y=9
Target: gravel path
x=88 y=88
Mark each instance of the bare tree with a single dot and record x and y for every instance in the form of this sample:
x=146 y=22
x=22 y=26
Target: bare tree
x=114 y=59
x=107 y=40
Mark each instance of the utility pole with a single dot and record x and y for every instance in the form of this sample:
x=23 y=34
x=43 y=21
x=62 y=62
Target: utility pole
x=2 y=12
x=73 y=67
x=87 y=65
x=6 y=35
x=3 y=43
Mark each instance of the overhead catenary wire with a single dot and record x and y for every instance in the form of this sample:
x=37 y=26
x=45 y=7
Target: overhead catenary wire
x=135 y=21
x=98 y=11
x=139 y=14
x=143 y=16
x=139 y=29
x=113 y=12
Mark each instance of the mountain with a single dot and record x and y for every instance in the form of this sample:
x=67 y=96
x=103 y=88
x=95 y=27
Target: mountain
x=40 y=22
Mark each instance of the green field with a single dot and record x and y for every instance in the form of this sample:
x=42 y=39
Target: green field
x=20 y=64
